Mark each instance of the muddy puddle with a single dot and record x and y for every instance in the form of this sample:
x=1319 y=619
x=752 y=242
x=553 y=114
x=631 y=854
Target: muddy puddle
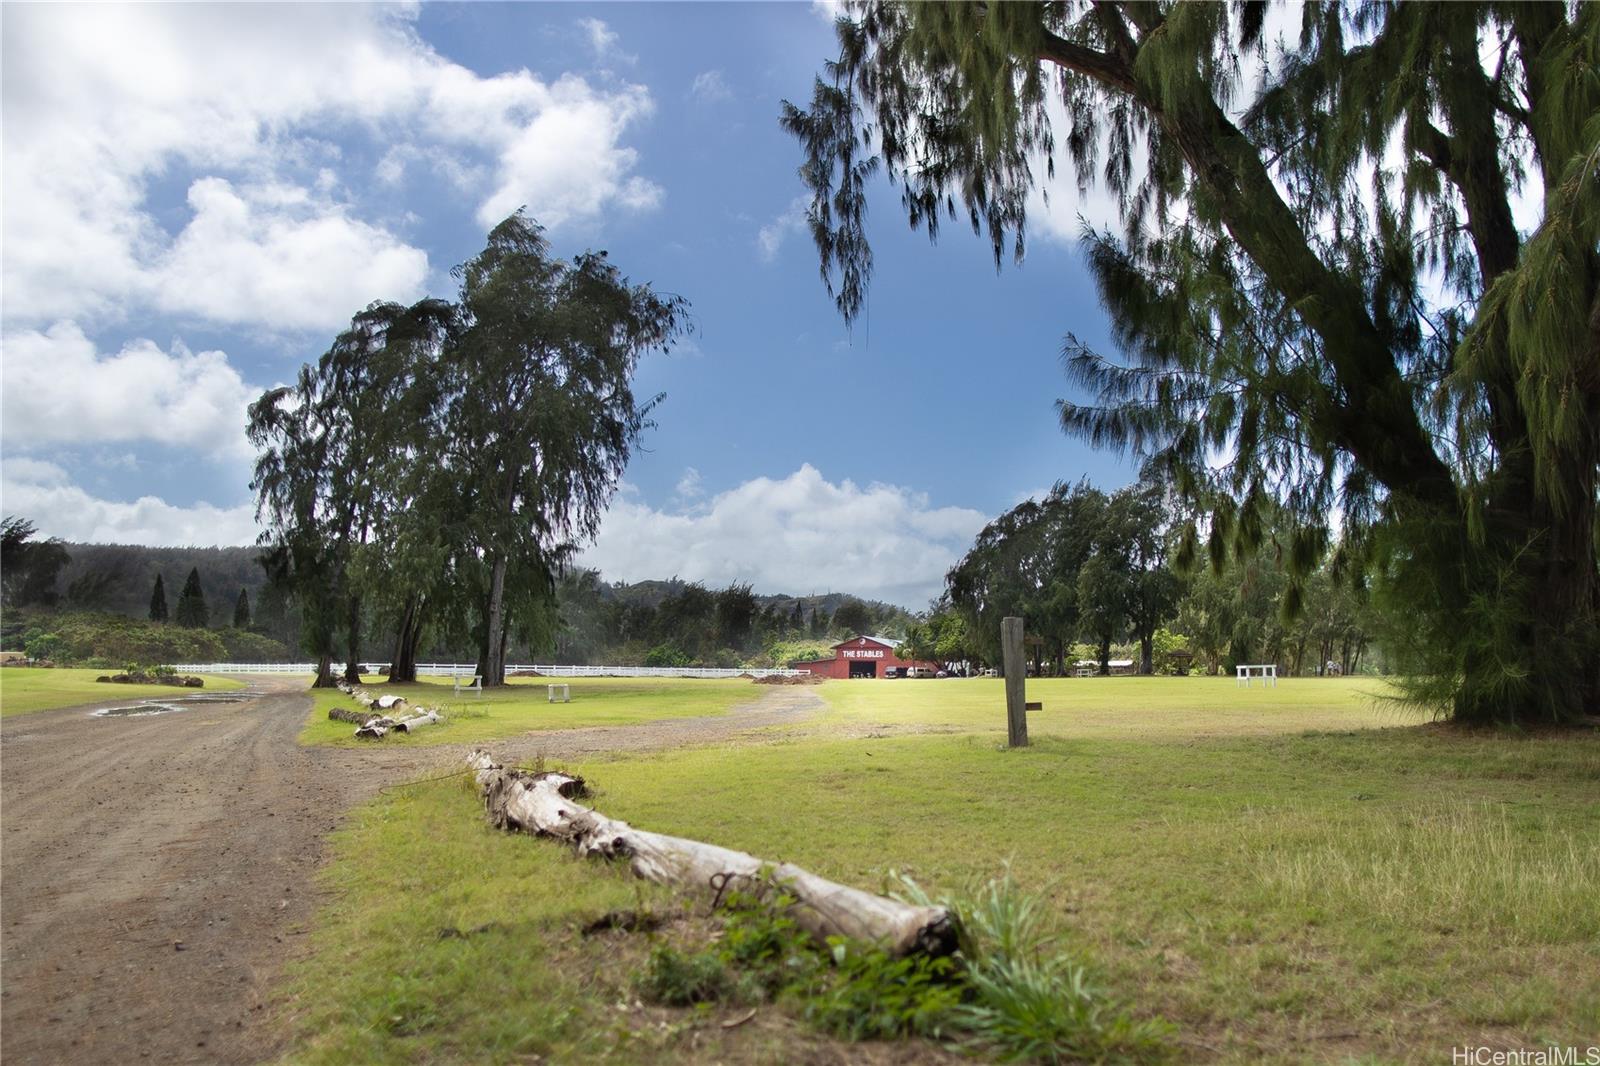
x=145 y=708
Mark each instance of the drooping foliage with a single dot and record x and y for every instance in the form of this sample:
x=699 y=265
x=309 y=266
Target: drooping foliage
x=439 y=462
x=28 y=567
x=1323 y=298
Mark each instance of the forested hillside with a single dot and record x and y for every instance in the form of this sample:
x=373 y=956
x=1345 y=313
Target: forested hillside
x=667 y=621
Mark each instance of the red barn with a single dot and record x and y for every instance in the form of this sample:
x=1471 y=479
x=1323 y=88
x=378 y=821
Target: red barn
x=862 y=657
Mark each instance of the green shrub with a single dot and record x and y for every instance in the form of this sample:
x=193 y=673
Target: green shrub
x=873 y=996
x=676 y=979
x=45 y=646
x=667 y=654
x=1003 y=993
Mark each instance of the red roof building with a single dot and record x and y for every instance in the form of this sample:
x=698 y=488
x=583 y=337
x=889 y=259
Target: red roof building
x=862 y=657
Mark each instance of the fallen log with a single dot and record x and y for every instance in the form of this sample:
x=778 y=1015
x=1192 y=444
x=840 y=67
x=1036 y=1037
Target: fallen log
x=542 y=804
x=375 y=728
x=345 y=714
x=426 y=718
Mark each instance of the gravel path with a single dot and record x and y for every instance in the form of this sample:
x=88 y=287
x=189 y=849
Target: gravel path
x=155 y=872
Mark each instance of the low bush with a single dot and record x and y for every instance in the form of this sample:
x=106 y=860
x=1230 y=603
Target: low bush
x=1004 y=991
x=110 y=640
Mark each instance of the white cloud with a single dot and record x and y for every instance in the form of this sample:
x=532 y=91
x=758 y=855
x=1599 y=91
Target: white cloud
x=828 y=11
x=100 y=105
x=44 y=493
x=567 y=163
x=770 y=238
x=690 y=486
x=710 y=86
x=797 y=534
x=601 y=37
x=58 y=389
x=273 y=254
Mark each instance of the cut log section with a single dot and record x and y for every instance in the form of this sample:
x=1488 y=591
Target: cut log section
x=542 y=804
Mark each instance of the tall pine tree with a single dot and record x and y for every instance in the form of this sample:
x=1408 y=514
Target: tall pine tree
x=241 y=610
x=192 y=612
x=158 y=602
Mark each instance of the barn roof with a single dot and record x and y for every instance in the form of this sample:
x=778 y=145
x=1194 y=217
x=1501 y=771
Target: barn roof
x=887 y=642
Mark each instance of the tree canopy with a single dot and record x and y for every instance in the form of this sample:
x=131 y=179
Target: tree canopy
x=29 y=567
x=1321 y=295
x=439 y=461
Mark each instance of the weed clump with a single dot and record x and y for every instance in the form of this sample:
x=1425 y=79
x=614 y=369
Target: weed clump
x=1004 y=991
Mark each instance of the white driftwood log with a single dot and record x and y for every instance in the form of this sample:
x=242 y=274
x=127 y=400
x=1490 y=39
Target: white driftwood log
x=415 y=722
x=542 y=804
x=374 y=725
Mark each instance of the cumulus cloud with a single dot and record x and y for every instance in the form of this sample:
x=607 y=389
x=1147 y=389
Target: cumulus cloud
x=798 y=534
x=274 y=254
x=103 y=105
x=770 y=238
x=59 y=389
x=45 y=493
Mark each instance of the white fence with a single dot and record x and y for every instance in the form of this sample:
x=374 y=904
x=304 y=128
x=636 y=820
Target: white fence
x=468 y=669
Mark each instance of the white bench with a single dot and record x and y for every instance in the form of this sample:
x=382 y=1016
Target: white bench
x=472 y=684
x=1268 y=673
x=566 y=694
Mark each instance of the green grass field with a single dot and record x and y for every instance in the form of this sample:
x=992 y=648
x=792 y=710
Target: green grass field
x=24 y=690
x=1286 y=876
x=523 y=705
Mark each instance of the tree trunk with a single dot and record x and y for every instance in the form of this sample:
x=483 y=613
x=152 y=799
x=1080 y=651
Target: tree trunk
x=325 y=677
x=403 y=663
x=352 y=667
x=493 y=667
x=1147 y=650
x=1105 y=656
x=541 y=804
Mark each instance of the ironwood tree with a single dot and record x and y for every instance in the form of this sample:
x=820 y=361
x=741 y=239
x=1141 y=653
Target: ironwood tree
x=1027 y=563
x=29 y=568
x=1321 y=276
x=542 y=418
x=437 y=464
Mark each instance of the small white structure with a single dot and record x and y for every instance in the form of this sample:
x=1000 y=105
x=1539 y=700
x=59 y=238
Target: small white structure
x=1268 y=673
x=472 y=683
x=565 y=694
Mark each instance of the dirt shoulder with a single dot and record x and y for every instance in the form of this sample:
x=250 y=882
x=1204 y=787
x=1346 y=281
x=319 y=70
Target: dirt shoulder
x=156 y=872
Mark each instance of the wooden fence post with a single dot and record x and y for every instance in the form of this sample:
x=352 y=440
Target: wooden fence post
x=1016 y=682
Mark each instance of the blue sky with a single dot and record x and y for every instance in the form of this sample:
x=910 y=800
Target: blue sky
x=197 y=198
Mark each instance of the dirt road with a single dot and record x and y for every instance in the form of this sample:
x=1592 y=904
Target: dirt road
x=155 y=872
